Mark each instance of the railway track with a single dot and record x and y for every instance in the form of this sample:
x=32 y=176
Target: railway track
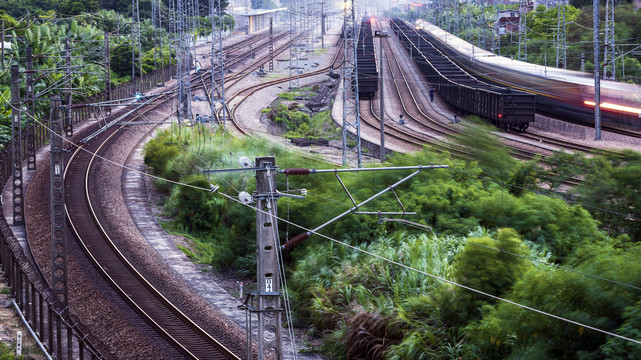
x=166 y=322
x=90 y=232
x=244 y=94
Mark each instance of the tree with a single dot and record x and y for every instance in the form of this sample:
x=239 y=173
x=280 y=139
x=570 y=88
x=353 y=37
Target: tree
x=487 y=264
x=508 y=331
x=612 y=189
x=619 y=349
x=76 y=7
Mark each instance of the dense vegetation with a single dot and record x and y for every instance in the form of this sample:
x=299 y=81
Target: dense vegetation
x=64 y=8
x=47 y=35
x=288 y=114
x=483 y=226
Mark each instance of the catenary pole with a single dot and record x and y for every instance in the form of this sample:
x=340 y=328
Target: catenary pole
x=597 y=69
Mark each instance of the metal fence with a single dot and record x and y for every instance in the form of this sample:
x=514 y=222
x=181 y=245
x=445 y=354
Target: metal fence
x=64 y=336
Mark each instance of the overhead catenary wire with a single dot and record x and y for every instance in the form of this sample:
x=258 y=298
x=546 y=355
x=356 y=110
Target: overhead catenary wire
x=281 y=264
x=552 y=265
x=199 y=188
x=362 y=250
x=407 y=267
x=538 y=192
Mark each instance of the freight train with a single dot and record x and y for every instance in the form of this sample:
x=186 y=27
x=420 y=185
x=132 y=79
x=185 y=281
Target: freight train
x=508 y=108
x=366 y=60
x=561 y=93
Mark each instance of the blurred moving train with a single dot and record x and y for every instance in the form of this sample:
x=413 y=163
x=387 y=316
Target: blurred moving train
x=565 y=94
x=507 y=108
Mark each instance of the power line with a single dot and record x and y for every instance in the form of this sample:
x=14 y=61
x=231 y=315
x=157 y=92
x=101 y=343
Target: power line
x=407 y=267
x=367 y=252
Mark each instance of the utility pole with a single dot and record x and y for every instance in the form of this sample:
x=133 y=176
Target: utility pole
x=154 y=12
x=31 y=136
x=609 y=72
x=498 y=30
x=107 y=72
x=323 y=24
x=268 y=293
x=560 y=36
x=597 y=69
x=184 y=62
x=16 y=153
x=271 y=44
x=135 y=42
x=495 y=31
x=351 y=113
x=2 y=41
x=268 y=274
x=57 y=203
x=217 y=61
x=67 y=124
x=523 y=10
x=379 y=35
x=292 y=45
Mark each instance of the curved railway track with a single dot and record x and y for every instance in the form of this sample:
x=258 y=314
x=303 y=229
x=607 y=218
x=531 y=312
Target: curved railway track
x=170 y=325
x=88 y=229
x=413 y=108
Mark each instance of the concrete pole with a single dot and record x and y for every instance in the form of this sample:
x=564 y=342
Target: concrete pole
x=269 y=302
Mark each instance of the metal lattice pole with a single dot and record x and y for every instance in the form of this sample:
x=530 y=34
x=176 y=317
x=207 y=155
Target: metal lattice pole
x=31 y=136
x=67 y=124
x=351 y=113
x=107 y=72
x=154 y=25
x=609 y=72
x=271 y=44
x=135 y=42
x=498 y=31
x=561 y=37
x=597 y=68
x=184 y=60
x=217 y=60
x=16 y=153
x=524 y=9
x=57 y=196
x=292 y=36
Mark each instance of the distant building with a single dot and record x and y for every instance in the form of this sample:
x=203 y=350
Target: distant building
x=508 y=21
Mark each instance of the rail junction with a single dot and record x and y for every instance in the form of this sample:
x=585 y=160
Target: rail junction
x=148 y=310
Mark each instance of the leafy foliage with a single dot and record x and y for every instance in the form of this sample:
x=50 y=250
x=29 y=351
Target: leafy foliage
x=612 y=188
x=489 y=265
x=483 y=237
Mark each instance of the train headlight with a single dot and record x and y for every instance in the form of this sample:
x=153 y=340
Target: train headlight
x=617 y=107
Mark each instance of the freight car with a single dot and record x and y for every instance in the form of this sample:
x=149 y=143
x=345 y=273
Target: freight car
x=366 y=61
x=507 y=108
x=561 y=93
